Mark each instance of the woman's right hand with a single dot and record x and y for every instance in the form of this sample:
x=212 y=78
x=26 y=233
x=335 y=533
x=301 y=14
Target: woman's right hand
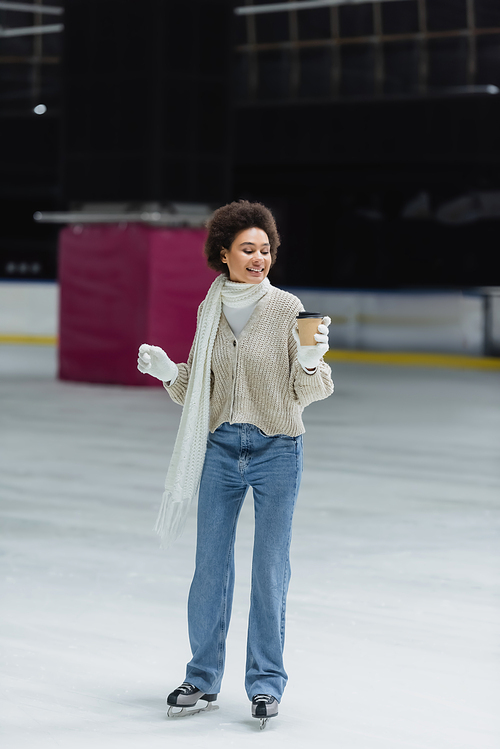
x=154 y=361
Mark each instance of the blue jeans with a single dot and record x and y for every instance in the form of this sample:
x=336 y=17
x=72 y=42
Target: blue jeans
x=239 y=456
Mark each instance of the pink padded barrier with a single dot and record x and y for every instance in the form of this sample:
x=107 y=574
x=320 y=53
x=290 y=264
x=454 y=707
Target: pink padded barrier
x=123 y=285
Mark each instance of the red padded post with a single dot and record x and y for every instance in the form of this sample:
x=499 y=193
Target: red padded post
x=123 y=285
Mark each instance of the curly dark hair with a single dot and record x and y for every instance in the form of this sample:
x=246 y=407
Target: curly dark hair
x=232 y=218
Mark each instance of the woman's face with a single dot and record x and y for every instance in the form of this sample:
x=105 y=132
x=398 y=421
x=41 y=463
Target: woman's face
x=249 y=257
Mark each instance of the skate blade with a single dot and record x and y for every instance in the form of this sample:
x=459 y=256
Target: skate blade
x=263 y=721
x=185 y=712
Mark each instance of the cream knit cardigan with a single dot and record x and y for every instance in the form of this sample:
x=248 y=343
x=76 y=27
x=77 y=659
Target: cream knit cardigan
x=256 y=378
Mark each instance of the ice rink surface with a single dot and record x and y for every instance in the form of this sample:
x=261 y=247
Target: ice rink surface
x=393 y=613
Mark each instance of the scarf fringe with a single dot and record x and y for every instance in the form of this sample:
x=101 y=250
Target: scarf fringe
x=171 y=519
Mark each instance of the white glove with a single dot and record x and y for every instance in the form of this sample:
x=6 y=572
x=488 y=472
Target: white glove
x=154 y=361
x=309 y=356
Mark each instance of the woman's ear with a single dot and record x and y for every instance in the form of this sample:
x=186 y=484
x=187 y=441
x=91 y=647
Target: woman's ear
x=223 y=255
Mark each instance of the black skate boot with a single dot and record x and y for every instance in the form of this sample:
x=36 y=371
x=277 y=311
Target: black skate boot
x=187 y=696
x=264 y=706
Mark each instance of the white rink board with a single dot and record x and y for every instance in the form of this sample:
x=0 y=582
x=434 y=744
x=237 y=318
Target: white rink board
x=29 y=308
x=373 y=321
x=451 y=323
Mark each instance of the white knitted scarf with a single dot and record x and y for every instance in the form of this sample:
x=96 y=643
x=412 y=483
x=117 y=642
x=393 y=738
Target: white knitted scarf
x=186 y=464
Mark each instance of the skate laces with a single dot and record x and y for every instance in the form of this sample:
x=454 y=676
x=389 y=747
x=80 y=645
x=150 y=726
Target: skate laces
x=262 y=698
x=186 y=687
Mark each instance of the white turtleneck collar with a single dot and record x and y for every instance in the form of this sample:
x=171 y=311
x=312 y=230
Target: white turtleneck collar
x=238 y=317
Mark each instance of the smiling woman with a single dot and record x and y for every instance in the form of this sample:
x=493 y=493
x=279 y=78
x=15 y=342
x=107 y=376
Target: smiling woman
x=236 y=434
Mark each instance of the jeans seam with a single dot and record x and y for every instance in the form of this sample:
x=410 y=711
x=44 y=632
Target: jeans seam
x=223 y=624
x=286 y=577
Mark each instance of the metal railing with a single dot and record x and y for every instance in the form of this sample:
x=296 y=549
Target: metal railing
x=335 y=40
x=253 y=10
x=37 y=30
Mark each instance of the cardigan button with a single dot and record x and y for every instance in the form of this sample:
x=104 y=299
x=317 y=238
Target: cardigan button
x=234 y=343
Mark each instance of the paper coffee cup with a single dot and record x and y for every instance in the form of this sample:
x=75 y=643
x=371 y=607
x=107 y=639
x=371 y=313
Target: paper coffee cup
x=307 y=323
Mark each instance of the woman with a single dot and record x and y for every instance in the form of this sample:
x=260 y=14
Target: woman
x=245 y=385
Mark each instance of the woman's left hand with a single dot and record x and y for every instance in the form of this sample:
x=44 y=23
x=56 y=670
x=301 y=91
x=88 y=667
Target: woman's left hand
x=310 y=356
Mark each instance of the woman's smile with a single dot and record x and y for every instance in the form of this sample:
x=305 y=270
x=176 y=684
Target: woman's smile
x=255 y=270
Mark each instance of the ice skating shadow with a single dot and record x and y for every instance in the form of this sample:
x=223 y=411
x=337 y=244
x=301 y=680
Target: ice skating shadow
x=153 y=709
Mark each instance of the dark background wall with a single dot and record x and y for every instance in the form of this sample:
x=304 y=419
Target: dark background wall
x=341 y=191
x=339 y=118
x=147 y=100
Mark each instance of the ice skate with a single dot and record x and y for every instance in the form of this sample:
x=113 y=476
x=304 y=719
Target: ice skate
x=186 y=696
x=264 y=706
